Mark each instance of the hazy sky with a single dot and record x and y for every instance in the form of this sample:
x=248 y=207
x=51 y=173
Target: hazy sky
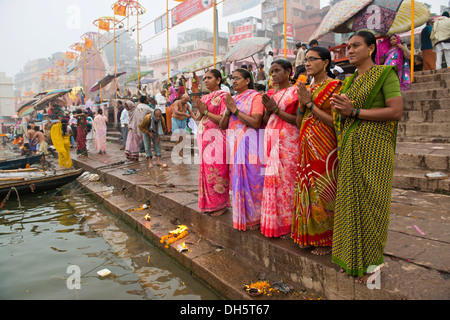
x=33 y=29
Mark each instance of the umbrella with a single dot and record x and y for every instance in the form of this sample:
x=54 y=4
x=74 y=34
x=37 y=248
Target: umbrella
x=338 y=15
x=135 y=76
x=147 y=81
x=52 y=95
x=105 y=81
x=202 y=63
x=247 y=48
x=26 y=108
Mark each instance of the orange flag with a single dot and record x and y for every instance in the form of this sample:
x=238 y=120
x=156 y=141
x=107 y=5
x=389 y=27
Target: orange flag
x=87 y=43
x=120 y=10
x=103 y=25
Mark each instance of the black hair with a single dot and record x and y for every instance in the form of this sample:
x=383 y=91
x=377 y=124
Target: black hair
x=313 y=42
x=119 y=102
x=216 y=74
x=79 y=111
x=369 y=39
x=324 y=54
x=246 y=75
x=142 y=99
x=64 y=126
x=28 y=126
x=99 y=111
x=26 y=145
x=36 y=128
x=286 y=65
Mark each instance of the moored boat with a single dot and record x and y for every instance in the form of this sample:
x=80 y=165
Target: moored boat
x=34 y=181
x=19 y=162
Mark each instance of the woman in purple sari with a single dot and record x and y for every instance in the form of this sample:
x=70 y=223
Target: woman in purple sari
x=392 y=52
x=243 y=120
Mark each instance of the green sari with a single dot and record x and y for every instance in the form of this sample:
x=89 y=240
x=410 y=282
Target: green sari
x=366 y=164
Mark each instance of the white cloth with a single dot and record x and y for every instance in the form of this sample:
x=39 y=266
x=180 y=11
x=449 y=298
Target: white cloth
x=161 y=102
x=225 y=88
x=144 y=109
x=124 y=118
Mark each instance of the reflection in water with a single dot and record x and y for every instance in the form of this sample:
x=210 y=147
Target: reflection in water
x=40 y=242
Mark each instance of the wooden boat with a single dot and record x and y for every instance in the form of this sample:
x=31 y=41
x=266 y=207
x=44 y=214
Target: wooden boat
x=33 y=180
x=19 y=162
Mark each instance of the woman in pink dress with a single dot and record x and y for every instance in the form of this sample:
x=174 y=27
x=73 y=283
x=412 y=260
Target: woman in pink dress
x=281 y=142
x=100 y=125
x=214 y=182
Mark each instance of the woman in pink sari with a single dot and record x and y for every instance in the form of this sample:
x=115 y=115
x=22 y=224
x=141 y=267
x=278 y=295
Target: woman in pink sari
x=246 y=148
x=392 y=52
x=213 y=193
x=281 y=141
x=100 y=124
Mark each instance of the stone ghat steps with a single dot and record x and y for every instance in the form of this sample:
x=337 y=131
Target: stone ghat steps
x=226 y=258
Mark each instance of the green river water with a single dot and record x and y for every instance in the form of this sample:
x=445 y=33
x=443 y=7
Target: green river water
x=51 y=236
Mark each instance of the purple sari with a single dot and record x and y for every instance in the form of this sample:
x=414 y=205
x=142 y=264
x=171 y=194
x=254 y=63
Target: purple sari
x=246 y=149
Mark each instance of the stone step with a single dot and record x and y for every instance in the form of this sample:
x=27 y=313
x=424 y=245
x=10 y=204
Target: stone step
x=415 y=179
x=423 y=139
x=426 y=104
x=437 y=129
x=413 y=261
x=437 y=75
x=438 y=93
x=430 y=85
x=419 y=155
x=438 y=115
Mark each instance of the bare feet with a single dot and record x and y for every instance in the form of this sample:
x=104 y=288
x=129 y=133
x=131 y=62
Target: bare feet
x=253 y=228
x=218 y=212
x=286 y=236
x=321 y=251
x=150 y=164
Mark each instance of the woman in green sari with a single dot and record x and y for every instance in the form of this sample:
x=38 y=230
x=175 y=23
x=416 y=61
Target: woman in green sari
x=366 y=114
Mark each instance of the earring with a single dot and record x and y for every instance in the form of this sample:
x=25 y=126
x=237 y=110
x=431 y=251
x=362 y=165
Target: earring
x=370 y=53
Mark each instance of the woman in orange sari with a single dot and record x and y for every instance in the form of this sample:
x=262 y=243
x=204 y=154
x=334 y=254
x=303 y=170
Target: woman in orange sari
x=281 y=139
x=315 y=190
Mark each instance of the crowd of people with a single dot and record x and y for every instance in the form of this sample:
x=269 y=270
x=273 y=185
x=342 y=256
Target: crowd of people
x=305 y=153
x=308 y=161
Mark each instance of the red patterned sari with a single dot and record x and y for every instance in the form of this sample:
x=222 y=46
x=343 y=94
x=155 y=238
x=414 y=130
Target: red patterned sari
x=281 y=143
x=315 y=190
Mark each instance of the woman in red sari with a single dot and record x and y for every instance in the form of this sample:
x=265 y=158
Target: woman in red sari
x=82 y=132
x=281 y=143
x=214 y=182
x=315 y=190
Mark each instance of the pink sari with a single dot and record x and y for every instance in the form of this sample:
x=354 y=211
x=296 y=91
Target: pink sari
x=281 y=141
x=214 y=172
x=100 y=132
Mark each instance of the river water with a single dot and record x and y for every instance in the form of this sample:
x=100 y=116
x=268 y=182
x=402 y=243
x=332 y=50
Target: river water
x=54 y=245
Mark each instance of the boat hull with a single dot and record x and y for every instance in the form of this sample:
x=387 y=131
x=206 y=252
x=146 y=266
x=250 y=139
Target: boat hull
x=39 y=184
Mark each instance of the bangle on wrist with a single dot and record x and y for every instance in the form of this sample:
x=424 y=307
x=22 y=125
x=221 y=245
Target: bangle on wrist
x=236 y=112
x=357 y=113
x=228 y=113
x=277 y=110
x=299 y=112
x=311 y=105
x=205 y=113
x=352 y=114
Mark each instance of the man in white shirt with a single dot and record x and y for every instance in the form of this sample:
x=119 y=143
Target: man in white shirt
x=143 y=107
x=161 y=103
x=268 y=64
x=300 y=59
x=124 y=121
